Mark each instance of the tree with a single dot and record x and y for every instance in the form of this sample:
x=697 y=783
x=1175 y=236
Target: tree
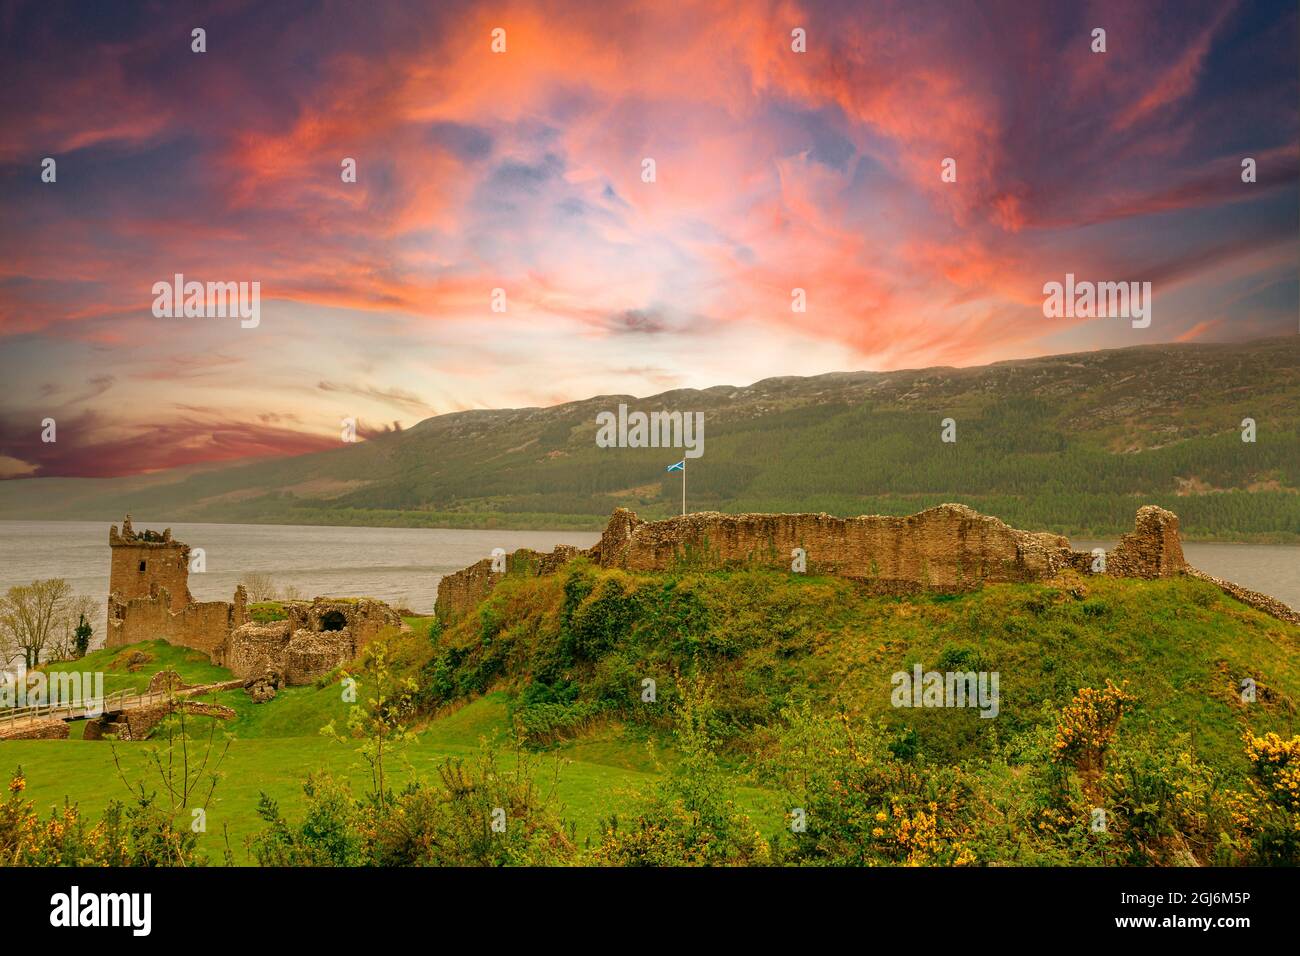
x=83 y=635
x=381 y=722
x=31 y=616
x=74 y=631
x=259 y=585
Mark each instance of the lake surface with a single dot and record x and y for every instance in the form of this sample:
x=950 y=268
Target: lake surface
x=399 y=565
x=404 y=565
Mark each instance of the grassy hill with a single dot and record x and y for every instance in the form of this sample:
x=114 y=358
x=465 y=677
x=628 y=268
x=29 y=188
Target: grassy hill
x=274 y=746
x=1070 y=443
x=576 y=646
x=798 y=674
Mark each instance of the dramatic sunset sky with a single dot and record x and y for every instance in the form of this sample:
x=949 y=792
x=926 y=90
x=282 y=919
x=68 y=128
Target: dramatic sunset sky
x=522 y=171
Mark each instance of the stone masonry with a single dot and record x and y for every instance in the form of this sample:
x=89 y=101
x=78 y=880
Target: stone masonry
x=145 y=560
x=149 y=599
x=317 y=637
x=950 y=548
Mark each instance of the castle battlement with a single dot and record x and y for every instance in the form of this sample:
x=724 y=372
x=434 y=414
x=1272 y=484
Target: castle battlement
x=144 y=561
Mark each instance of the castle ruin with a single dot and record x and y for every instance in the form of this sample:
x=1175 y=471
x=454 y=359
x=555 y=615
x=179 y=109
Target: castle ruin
x=149 y=599
x=949 y=548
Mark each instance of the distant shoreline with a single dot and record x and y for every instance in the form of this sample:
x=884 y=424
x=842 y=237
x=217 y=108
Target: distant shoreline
x=499 y=522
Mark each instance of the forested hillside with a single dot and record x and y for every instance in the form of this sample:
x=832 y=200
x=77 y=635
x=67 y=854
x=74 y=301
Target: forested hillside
x=1071 y=443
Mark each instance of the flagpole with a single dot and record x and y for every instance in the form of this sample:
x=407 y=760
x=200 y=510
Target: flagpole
x=683 y=486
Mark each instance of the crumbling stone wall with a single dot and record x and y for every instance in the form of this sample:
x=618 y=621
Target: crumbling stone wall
x=363 y=618
x=254 y=648
x=1260 y=602
x=50 y=728
x=316 y=638
x=466 y=589
x=310 y=655
x=1154 y=549
x=145 y=560
x=138 y=723
x=950 y=548
x=203 y=625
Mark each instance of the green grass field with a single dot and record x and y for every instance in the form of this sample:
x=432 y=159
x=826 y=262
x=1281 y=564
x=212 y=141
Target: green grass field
x=276 y=744
x=562 y=657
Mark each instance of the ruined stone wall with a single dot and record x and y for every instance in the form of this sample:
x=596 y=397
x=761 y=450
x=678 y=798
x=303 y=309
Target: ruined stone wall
x=149 y=559
x=50 y=728
x=950 y=548
x=256 y=648
x=139 y=722
x=363 y=618
x=203 y=626
x=149 y=599
x=465 y=589
x=468 y=587
x=1260 y=602
x=308 y=645
x=1154 y=549
x=310 y=655
x=303 y=656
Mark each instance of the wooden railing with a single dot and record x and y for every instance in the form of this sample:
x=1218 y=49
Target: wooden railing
x=87 y=707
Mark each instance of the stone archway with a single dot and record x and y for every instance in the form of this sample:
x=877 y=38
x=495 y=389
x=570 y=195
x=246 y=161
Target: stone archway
x=333 y=621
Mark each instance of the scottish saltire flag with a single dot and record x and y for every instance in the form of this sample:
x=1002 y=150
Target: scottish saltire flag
x=680 y=466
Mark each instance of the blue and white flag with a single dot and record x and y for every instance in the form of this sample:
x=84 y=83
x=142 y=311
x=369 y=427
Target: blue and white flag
x=680 y=466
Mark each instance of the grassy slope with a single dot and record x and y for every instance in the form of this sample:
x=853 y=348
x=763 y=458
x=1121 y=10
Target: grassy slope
x=765 y=639
x=769 y=640
x=1071 y=443
x=278 y=743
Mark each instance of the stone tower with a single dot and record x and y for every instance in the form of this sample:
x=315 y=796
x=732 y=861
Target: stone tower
x=145 y=561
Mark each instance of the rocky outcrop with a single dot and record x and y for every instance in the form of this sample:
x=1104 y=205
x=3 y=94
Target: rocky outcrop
x=264 y=686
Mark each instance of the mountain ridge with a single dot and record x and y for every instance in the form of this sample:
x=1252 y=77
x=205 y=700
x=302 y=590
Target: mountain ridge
x=1091 y=432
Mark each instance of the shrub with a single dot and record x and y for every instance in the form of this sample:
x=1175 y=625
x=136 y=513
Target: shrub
x=475 y=813
x=139 y=835
x=861 y=805
x=1269 y=812
x=605 y=613
x=1163 y=806
x=692 y=818
x=1088 y=724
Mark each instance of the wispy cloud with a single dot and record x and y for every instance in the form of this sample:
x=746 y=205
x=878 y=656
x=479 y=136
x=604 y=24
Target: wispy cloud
x=523 y=172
